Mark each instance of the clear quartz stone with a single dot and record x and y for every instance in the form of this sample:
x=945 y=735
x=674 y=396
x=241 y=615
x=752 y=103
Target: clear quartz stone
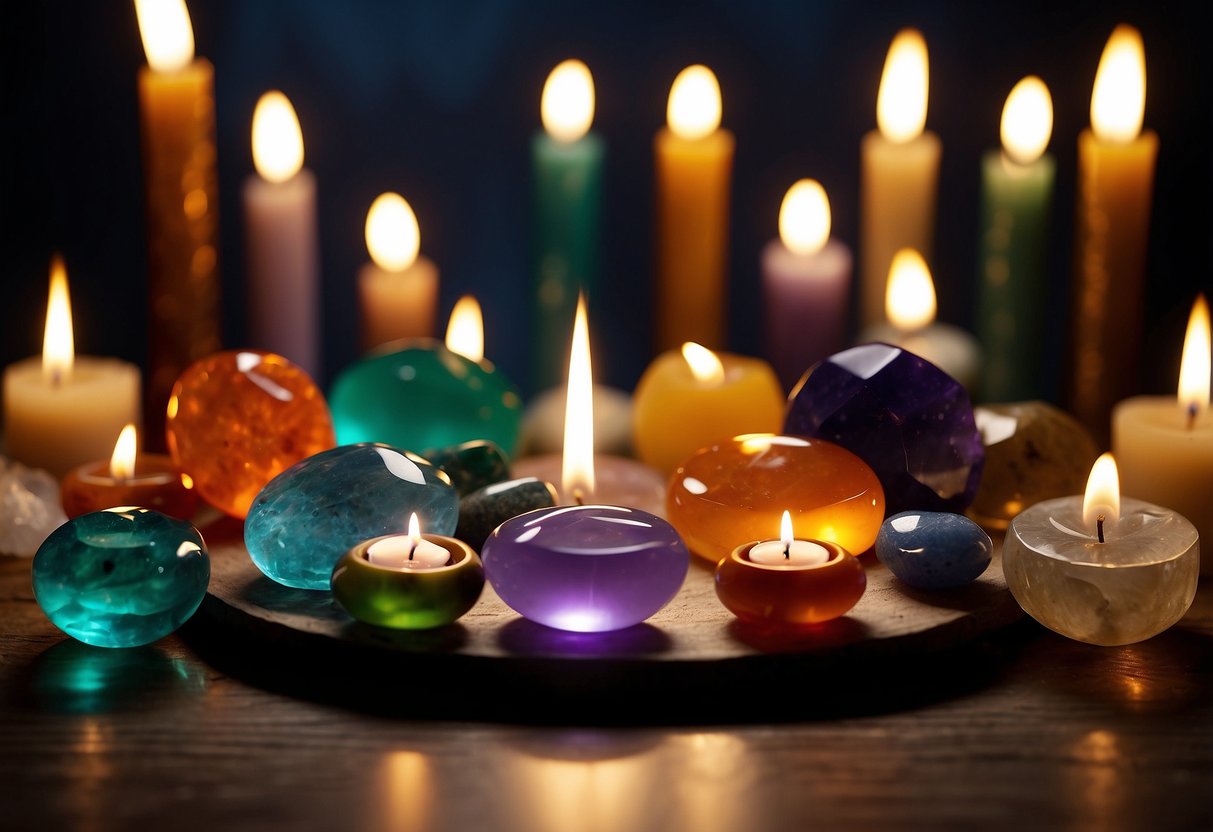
x=29 y=508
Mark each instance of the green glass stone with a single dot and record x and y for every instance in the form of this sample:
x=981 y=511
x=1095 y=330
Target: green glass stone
x=122 y=577
x=484 y=510
x=471 y=465
x=422 y=395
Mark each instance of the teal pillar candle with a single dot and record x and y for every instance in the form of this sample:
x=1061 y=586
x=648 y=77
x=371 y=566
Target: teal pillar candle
x=122 y=577
x=418 y=394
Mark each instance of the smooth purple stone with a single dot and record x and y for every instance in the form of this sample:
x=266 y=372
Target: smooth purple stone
x=586 y=568
x=905 y=417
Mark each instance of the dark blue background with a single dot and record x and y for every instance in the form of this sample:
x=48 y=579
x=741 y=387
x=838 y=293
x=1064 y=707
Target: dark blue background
x=438 y=101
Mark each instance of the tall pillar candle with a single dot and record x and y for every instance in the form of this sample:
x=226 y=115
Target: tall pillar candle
x=1115 y=188
x=177 y=115
x=281 y=240
x=899 y=173
x=1013 y=286
x=567 y=161
x=694 y=167
x=398 y=289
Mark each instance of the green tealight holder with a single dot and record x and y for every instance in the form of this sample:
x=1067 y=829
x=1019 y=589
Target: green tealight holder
x=417 y=394
x=408 y=599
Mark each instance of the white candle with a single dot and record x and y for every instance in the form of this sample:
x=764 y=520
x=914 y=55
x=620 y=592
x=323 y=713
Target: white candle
x=788 y=551
x=398 y=289
x=281 y=238
x=408 y=551
x=62 y=410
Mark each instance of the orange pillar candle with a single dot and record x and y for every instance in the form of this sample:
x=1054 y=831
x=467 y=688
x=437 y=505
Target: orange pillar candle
x=177 y=110
x=398 y=289
x=128 y=478
x=1115 y=186
x=694 y=166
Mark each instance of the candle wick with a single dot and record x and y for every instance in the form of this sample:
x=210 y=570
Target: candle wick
x=1099 y=527
x=578 y=497
x=787 y=551
x=56 y=377
x=412 y=548
x=1193 y=412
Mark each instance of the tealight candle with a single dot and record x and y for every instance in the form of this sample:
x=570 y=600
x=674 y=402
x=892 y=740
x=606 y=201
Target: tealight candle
x=1101 y=569
x=789 y=581
x=398 y=289
x=128 y=478
x=407 y=551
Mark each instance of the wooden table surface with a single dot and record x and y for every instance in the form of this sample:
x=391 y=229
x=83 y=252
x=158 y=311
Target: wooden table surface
x=1023 y=730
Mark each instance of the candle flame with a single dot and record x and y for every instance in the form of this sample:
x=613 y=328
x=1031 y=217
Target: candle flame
x=1118 y=99
x=577 y=464
x=277 y=139
x=168 y=37
x=567 y=104
x=693 y=111
x=910 y=295
x=465 y=330
x=1194 y=367
x=58 y=343
x=705 y=365
x=392 y=235
x=901 y=103
x=1027 y=121
x=1102 y=497
x=122 y=462
x=804 y=217
x=785 y=529
x=414 y=529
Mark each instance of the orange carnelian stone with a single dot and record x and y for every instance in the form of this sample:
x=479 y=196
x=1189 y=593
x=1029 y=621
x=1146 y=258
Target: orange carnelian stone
x=238 y=418
x=760 y=593
x=736 y=491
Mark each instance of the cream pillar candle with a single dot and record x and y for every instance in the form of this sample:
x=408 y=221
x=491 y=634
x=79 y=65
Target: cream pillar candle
x=398 y=289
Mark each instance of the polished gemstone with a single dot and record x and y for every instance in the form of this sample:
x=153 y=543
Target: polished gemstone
x=421 y=396
x=934 y=549
x=311 y=514
x=237 y=419
x=790 y=595
x=471 y=465
x=487 y=508
x=735 y=492
x=908 y=419
x=121 y=577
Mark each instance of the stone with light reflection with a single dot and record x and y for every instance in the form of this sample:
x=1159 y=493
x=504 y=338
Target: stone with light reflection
x=934 y=549
x=122 y=577
x=908 y=419
x=736 y=491
x=238 y=418
x=311 y=514
x=419 y=395
x=586 y=568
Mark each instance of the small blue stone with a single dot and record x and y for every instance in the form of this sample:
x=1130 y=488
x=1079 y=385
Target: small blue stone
x=933 y=549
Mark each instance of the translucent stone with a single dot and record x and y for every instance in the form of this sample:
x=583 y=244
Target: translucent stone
x=311 y=514
x=1136 y=584
x=933 y=549
x=29 y=508
x=121 y=577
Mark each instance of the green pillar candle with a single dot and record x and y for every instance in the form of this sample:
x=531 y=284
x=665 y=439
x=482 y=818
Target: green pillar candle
x=567 y=161
x=1017 y=190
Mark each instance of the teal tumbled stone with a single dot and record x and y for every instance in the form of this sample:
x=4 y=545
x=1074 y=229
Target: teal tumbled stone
x=312 y=513
x=471 y=465
x=418 y=395
x=122 y=577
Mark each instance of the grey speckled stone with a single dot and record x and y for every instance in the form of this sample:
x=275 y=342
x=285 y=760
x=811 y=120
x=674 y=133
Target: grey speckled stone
x=486 y=509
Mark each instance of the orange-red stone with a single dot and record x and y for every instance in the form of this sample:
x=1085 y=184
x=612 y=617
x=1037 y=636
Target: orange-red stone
x=238 y=418
x=760 y=593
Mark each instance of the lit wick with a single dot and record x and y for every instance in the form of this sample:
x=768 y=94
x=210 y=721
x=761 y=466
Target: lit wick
x=1193 y=412
x=1099 y=527
x=787 y=550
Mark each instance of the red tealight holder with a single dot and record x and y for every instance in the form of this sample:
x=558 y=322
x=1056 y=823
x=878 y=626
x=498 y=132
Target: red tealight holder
x=153 y=481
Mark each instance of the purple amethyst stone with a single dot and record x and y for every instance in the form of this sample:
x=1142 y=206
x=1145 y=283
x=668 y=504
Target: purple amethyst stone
x=586 y=568
x=905 y=417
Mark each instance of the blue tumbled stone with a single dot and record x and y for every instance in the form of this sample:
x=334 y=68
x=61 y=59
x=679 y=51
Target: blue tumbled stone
x=933 y=549
x=312 y=513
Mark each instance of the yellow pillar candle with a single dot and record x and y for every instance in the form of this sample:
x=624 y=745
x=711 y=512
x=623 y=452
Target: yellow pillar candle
x=398 y=289
x=899 y=174
x=1115 y=187
x=62 y=410
x=177 y=109
x=1165 y=444
x=694 y=166
x=690 y=398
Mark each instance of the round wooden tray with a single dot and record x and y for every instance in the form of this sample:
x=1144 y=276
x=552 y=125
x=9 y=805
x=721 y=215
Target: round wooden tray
x=694 y=647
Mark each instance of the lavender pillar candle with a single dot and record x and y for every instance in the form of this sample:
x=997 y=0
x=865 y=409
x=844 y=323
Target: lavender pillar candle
x=586 y=568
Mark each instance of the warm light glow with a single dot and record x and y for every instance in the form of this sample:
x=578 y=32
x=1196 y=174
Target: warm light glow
x=277 y=139
x=804 y=217
x=58 y=344
x=414 y=529
x=1027 y=121
x=567 y=105
x=1102 y=497
x=392 y=235
x=901 y=103
x=168 y=37
x=577 y=464
x=704 y=364
x=1194 y=367
x=1118 y=100
x=465 y=330
x=785 y=529
x=909 y=300
x=694 y=108
x=122 y=462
